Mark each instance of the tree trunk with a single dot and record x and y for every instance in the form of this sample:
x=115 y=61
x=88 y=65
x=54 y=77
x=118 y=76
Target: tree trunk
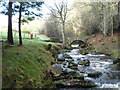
x=105 y=19
x=112 y=32
x=20 y=36
x=63 y=33
x=119 y=13
x=10 y=34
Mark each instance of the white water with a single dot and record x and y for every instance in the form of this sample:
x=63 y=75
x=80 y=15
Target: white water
x=96 y=64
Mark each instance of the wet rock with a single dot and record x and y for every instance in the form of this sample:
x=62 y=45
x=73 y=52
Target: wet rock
x=68 y=75
x=64 y=64
x=67 y=56
x=78 y=77
x=116 y=61
x=68 y=48
x=65 y=75
x=70 y=62
x=85 y=51
x=61 y=59
x=60 y=55
x=74 y=67
x=74 y=83
x=84 y=62
x=74 y=64
x=53 y=63
x=70 y=65
x=56 y=70
x=79 y=59
x=95 y=74
x=72 y=73
x=49 y=47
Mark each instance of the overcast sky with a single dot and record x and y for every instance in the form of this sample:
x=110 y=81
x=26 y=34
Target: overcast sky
x=48 y=3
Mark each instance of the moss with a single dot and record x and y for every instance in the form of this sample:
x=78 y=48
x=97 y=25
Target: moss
x=116 y=53
x=95 y=74
x=86 y=50
x=25 y=66
x=68 y=48
x=85 y=62
x=102 y=43
x=75 y=84
x=73 y=67
x=72 y=73
x=78 y=77
x=117 y=65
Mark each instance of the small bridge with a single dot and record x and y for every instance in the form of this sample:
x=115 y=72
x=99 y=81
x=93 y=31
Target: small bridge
x=72 y=40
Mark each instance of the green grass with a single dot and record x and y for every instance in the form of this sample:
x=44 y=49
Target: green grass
x=16 y=35
x=26 y=39
x=116 y=53
x=25 y=66
x=33 y=42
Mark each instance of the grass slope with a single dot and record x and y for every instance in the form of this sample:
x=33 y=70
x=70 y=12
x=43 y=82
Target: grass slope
x=25 y=66
x=108 y=45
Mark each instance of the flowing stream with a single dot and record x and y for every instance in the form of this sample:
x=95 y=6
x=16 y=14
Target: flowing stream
x=90 y=63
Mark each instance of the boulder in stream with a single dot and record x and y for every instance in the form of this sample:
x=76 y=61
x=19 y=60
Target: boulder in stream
x=73 y=67
x=74 y=83
x=84 y=62
x=95 y=74
x=78 y=77
x=56 y=70
x=67 y=56
x=61 y=59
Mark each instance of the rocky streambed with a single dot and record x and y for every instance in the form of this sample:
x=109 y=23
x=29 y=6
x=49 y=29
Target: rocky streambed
x=92 y=70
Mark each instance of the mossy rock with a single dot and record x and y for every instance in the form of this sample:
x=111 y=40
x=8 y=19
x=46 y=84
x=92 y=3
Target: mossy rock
x=74 y=84
x=85 y=51
x=67 y=56
x=61 y=59
x=78 y=77
x=116 y=61
x=72 y=73
x=68 y=48
x=74 y=67
x=84 y=62
x=113 y=40
x=102 y=43
x=95 y=74
x=117 y=66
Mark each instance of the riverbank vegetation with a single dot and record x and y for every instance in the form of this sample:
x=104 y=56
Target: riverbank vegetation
x=24 y=66
x=30 y=42
x=108 y=45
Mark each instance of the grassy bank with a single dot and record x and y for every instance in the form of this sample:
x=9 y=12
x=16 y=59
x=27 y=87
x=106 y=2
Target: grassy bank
x=25 y=66
x=108 y=45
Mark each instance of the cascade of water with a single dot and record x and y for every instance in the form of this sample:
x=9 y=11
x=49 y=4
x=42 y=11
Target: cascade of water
x=78 y=63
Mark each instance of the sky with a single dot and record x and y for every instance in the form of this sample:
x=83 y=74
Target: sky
x=45 y=11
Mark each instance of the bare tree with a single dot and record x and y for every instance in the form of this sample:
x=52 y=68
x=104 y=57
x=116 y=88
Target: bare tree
x=60 y=12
